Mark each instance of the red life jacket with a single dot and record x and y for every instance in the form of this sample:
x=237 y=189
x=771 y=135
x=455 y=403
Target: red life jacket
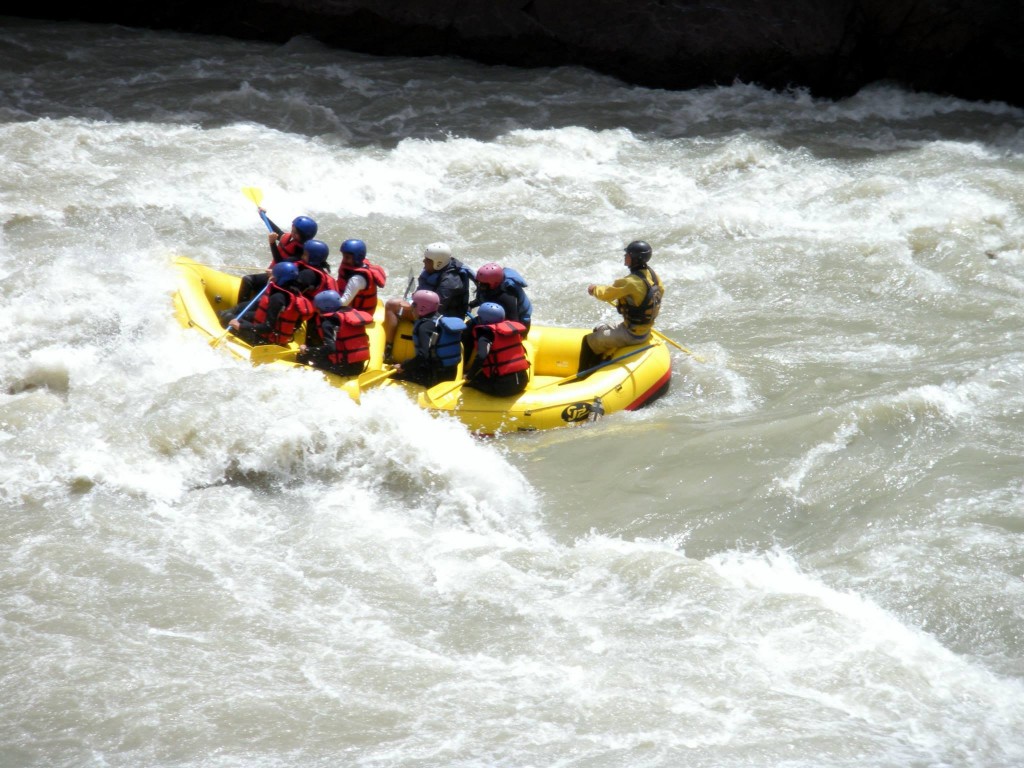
x=326 y=282
x=290 y=248
x=299 y=308
x=507 y=354
x=375 y=277
x=351 y=344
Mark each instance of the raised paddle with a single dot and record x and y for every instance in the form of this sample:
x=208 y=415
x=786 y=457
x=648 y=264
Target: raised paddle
x=256 y=195
x=680 y=347
x=216 y=342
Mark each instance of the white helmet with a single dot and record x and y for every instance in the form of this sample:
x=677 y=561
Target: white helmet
x=440 y=254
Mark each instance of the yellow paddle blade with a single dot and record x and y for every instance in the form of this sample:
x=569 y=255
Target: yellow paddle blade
x=369 y=378
x=268 y=353
x=253 y=193
x=440 y=391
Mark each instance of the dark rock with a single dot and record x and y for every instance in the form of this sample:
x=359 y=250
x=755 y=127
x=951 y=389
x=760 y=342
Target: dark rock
x=966 y=48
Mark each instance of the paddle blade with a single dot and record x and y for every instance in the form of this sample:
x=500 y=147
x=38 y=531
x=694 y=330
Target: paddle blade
x=268 y=353
x=440 y=391
x=369 y=378
x=253 y=193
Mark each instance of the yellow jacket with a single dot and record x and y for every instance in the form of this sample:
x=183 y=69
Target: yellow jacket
x=628 y=294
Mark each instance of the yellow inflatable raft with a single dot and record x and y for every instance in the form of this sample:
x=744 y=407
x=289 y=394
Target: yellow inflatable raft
x=558 y=394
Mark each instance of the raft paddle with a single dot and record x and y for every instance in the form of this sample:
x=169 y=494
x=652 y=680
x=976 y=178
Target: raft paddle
x=268 y=353
x=256 y=195
x=680 y=347
x=216 y=342
x=580 y=375
x=369 y=378
x=438 y=391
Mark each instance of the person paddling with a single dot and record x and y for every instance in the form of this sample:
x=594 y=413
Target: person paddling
x=284 y=247
x=279 y=312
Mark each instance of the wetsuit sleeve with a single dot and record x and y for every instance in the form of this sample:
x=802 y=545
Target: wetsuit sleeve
x=274 y=306
x=422 y=341
x=510 y=304
x=483 y=349
x=274 y=227
x=275 y=254
x=329 y=335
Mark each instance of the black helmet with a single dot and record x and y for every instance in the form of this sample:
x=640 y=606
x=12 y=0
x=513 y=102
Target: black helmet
x=640 y=250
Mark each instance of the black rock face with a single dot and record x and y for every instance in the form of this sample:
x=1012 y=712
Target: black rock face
x=966 y=48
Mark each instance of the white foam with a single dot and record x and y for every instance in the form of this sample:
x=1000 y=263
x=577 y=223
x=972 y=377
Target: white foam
x=181 y=522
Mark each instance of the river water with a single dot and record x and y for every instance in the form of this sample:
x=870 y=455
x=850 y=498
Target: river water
x=809 y=553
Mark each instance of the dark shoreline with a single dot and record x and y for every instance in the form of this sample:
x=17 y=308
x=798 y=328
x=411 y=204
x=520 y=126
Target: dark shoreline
x=968 y=49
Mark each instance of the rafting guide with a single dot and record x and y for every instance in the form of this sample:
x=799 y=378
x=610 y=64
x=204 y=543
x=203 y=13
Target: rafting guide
x=637 y=297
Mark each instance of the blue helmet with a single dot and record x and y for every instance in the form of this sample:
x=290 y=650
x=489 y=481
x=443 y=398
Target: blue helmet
x=327 y=301
x=305 y=226
x=317 y=252
x=285 y=272
x=490 y=312
x=358 y=250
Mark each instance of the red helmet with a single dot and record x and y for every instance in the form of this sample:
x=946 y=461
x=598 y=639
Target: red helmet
x=490 y=275
x=425 y=302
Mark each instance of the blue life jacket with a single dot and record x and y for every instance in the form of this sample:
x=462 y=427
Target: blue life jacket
x=448 y=344
x=514 y=283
